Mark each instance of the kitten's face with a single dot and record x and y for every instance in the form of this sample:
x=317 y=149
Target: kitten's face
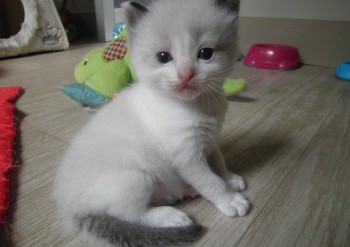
x=185 y=48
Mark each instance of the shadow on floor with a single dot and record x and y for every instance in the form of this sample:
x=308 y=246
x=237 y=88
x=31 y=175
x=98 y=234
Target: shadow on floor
x=241 y=98
x=243 y=159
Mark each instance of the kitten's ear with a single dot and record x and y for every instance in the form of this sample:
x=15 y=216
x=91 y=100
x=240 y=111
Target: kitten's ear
x=133 y=12
x=232 y=5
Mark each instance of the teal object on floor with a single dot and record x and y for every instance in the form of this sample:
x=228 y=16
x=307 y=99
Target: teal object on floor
x=84 y=95
x=343 y=70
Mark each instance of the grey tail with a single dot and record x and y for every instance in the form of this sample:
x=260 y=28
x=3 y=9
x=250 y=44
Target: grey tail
x=121 y=233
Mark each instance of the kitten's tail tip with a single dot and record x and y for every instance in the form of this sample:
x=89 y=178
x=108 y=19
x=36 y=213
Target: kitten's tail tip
x=121 y=233
x=196 y=230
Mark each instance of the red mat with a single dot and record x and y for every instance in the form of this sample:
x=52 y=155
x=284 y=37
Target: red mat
x=8 y=96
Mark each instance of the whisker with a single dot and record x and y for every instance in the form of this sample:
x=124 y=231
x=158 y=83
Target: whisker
x=215 y=98
x=217 y=78
x=217 y=90
x=216 y=86
x=224 y=70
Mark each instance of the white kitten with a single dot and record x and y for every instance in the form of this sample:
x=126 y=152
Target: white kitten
x=158 y=140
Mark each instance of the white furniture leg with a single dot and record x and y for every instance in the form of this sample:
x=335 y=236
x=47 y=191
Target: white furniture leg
x=105 y=19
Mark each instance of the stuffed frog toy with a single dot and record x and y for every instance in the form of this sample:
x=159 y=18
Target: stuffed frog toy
x=104 y=72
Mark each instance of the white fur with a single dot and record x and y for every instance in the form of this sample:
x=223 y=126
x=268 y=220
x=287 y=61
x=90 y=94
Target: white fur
x=140 y=152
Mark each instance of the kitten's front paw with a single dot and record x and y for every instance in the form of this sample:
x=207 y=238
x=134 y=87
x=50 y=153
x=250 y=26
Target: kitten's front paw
x=235 y=182
x=234 y=204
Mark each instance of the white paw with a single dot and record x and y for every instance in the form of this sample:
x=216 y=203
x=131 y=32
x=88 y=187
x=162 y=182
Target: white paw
x=235 y=182
x=178 y=219
x=166 y=217
x=234 y=204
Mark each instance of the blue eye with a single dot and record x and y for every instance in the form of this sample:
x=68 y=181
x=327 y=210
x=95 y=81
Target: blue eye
x=164 y=57
x=205 y=53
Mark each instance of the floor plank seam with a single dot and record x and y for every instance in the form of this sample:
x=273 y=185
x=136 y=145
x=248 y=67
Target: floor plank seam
x=265 y=205
x=45 y=132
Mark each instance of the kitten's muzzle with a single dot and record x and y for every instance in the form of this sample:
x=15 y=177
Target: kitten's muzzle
x=186 y=74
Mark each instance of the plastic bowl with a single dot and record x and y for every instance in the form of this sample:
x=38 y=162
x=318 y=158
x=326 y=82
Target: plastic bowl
x=343 y=70
x=271 y=56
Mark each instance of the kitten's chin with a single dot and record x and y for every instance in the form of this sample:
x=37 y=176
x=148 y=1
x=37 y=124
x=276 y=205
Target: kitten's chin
x=187 y=93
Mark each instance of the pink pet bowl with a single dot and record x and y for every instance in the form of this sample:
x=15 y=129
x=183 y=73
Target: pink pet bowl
x=270 y=56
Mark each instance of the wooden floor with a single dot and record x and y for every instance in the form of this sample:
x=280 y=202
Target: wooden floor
x=288 y=134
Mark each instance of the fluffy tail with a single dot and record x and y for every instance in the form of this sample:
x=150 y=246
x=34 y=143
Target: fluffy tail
x=121 y=233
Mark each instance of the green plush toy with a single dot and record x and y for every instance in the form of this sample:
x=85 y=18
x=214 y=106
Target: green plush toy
x=101 y=73
x=106 y=71
x=233 y=86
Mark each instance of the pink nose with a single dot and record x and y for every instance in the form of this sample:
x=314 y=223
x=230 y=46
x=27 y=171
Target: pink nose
x=186 y=75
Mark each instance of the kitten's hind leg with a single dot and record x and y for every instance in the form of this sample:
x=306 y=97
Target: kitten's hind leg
x=131 y=199
x=165 y=216
x=126 y=195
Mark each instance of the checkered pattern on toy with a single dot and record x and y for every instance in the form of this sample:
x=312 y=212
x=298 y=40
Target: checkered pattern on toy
x=116 y=50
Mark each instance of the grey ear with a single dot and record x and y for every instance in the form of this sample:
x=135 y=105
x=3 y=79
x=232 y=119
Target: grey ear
x=133 y=12
x=232 y=5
